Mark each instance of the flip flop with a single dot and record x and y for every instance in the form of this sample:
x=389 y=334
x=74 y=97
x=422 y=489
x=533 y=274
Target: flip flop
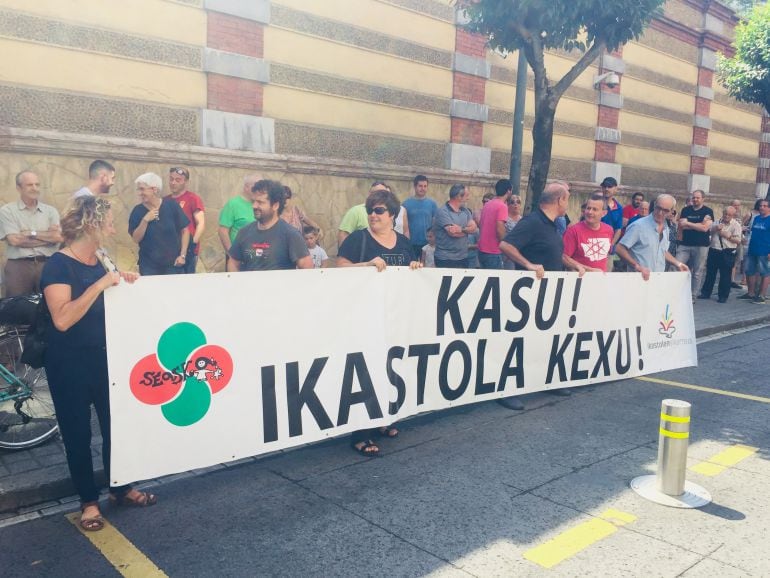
x=365 y=450
x=387 y=432
x=141 y=500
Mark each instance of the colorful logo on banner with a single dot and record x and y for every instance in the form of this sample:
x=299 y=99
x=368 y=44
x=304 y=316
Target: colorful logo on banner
x=183 y=375
x=667 y=324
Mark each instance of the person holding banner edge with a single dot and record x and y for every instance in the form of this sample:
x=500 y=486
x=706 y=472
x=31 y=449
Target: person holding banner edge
x=536 y=245
x=377 y=246
x=73 y=283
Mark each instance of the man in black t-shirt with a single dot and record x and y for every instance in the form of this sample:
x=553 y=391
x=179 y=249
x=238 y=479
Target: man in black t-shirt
x=269 y=243
x=536 y=245
x=695 y=223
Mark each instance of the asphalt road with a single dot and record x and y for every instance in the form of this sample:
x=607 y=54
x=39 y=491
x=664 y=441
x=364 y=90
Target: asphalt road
x=478 y=490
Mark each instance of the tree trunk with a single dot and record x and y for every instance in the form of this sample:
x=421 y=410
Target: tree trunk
x=542 y=141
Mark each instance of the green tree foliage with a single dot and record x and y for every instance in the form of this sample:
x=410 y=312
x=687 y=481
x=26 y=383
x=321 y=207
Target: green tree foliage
x=746 y=76
x=588 y=26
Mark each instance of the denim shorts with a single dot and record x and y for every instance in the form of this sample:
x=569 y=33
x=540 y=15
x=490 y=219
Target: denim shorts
x=757 y=265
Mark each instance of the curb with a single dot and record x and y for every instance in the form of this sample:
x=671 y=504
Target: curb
x=49 y=487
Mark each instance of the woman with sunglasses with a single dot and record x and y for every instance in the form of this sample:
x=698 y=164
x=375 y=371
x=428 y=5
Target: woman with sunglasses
x=376 y=246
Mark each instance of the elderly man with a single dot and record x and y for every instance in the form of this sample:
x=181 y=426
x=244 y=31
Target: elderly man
x=159 y=227
x=101 y=177
x=32 y=231
x=725 y=238
x=454 y=222
x=645 y=245
x=237 y=213
x=536 y=245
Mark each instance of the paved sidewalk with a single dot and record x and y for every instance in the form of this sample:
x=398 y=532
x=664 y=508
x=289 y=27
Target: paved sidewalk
x=37 y=480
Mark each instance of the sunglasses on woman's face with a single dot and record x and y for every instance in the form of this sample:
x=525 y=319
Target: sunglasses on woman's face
x=377 y=210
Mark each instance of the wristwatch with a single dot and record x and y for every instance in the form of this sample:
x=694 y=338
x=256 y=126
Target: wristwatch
x=33 y=233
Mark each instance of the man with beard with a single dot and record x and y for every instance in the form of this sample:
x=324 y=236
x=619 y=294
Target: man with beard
x=101 y=177
x=269 y=243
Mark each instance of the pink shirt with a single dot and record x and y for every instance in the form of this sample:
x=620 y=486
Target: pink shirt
x=588 y=247
x=493 y=212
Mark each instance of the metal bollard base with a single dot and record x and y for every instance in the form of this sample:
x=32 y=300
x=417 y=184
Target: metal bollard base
x=694 y=496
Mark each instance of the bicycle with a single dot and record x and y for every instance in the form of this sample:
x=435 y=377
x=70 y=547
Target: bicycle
x=27 y=416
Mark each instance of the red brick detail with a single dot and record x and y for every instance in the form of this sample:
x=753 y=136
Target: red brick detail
x=705 y=77
x=766 y=124
x=764 y=150
x=466 y=131
x=469 y=88
x=703 y=107
x=763 y=175
x=608 y=117
x=230 y=94
x=700 y=136
x=605 y=152
x=697 y=166
x=470 y=44
x=234 y=34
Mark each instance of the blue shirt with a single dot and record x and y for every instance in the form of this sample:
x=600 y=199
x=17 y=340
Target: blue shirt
x=646 y=245
x=420 y=213
x=759 y=244
x=614 y=217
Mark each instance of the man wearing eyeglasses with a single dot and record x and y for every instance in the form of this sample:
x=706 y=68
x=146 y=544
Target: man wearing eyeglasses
x=645 y=245
x=192 y=206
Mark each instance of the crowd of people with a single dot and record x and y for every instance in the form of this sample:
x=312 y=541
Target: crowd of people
x=262 y=229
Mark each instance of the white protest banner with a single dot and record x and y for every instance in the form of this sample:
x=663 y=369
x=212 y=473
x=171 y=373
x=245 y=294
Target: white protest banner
x=211 y=368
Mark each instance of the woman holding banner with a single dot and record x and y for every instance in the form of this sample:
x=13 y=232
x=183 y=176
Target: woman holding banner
x=378 y=246
x=73 y=283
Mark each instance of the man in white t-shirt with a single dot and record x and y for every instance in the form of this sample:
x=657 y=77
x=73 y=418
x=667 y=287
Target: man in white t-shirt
x=101 y=177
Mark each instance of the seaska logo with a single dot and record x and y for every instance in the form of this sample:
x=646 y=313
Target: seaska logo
x=667 y=324
x=183 y=375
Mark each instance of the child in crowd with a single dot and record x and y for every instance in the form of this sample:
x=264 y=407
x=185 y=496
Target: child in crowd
x=317 y=253
x=429 y=251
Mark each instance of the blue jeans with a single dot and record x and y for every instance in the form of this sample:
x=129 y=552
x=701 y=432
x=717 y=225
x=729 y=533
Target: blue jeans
x=452 y=263
x=490 y=260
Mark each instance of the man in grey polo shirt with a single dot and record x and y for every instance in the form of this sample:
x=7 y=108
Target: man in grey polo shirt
x=451 y=227
x=645 y=244
x=32 y=231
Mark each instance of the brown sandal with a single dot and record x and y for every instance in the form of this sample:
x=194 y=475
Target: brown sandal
x=92 y=524
x=140 y=500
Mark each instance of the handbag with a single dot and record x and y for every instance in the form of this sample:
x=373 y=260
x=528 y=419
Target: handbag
x=34 y=342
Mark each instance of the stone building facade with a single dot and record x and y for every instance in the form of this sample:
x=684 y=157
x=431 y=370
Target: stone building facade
x=327 y=95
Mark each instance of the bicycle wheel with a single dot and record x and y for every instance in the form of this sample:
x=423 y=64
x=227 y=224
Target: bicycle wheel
x=27 y=416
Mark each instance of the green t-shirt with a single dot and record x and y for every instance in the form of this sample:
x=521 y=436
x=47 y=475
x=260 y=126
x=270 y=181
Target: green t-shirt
x=355 y=219
x=236 y=214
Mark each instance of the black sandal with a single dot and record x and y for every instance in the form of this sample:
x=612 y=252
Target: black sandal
x=387 y=432
x=366 y=449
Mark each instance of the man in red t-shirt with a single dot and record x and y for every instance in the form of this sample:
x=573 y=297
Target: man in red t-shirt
x=192 y=206
x=587 y=243
x=632 y=210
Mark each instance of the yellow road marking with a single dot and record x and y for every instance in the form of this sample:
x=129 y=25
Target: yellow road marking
x=706 y=389
x=119 y=551
x=718 y=463
x=576 y=539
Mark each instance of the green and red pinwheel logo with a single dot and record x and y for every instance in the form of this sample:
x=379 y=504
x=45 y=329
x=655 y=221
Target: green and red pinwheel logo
x=183 y=375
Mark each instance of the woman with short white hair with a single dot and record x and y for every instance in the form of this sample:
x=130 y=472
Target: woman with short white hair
x=159 y=227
